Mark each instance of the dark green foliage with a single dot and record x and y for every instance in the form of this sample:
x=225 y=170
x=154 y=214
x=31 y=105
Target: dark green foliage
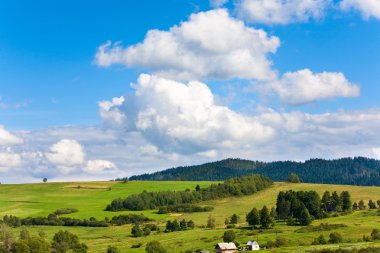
x=371 y=204
x=113 y=249
x=346 y=201
x=355 y=206
x=234 y=219
x=253 y=217
x=305 y=218
x=12 y=221
x=65 y=211
x=240 y=186
x=293 y=178
x=229 y=236
x=44 y=180
x=64 y=241
x=351 y=171
x=184 y=208
x=129 y=219
x=172 y=226
x=301 y=206
x=375 y=234
x=335 y=238
x=197 y=188
x=336 y=202
x=54 y=220
x=136 y=231
x=319 y=240
x=155 y=247
x=378 y=203
x=266 y=220
x=326 y=202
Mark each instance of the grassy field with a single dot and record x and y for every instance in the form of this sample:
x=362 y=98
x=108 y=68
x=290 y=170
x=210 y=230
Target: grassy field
x=91 y=198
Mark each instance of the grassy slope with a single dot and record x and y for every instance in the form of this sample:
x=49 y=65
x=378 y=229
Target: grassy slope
x=91 y=202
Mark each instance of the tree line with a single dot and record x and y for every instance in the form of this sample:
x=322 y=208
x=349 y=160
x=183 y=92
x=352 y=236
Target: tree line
x=351 y=171
x=54 y=220
x=240 y=186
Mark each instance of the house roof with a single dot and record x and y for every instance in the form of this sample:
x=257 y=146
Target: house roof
x=226 y=246
x=252 y=243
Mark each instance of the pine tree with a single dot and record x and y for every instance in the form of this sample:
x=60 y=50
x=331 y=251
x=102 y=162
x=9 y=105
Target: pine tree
x=305 y=218
x=346 y=201
x=336 y=202
x=326 y=201
x=265 y=219
x=234 y=219
x=355 y=206
x=253 y=217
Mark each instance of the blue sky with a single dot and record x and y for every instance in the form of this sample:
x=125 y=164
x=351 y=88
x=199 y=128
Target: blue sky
x=315 y=76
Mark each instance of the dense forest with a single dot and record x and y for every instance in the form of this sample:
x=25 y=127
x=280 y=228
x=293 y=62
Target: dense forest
x=351 y=171
x=238 y=186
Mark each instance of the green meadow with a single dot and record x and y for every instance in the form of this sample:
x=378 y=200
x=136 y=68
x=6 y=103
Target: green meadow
x=91 y=198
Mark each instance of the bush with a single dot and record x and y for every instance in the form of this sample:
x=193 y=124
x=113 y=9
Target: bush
x=335 y=238
x=319 y=240
x=154 y=247
x=65 y=211
x=229 y=236
x=375 y=234
x=112 y=249
x=136 y=231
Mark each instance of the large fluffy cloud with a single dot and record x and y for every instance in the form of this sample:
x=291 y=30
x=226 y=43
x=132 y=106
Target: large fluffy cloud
x=304 y=86
x=281 y=11
x=369 y=8
x=210 y=45
x=7 y=138
x=184 y=117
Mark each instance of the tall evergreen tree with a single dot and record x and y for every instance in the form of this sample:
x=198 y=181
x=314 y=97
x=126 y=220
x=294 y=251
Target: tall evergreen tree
x=346 y=201
x=253 y=217
x=305 y=218
x=336 y=202
x=326 y=201
x=265 y=219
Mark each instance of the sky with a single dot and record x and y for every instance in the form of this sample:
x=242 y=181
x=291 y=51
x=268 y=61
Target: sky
x=95 y=91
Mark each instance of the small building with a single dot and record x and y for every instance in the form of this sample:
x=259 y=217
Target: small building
x=253 y=245
x=226 y=247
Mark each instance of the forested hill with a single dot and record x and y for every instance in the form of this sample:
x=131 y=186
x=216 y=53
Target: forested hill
x=352 y=171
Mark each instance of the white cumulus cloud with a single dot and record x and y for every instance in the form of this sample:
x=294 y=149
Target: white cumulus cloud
x=66 y=155
x=110 y=112
x=184 y=117
x=100 y=167
x=304 y=86
x=281 y=11
x=368 y=8
x=7 y=138
x=209 y=45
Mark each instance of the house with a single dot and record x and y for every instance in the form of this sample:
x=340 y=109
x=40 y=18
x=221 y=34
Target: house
x=253 y=245
x=226 y=247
